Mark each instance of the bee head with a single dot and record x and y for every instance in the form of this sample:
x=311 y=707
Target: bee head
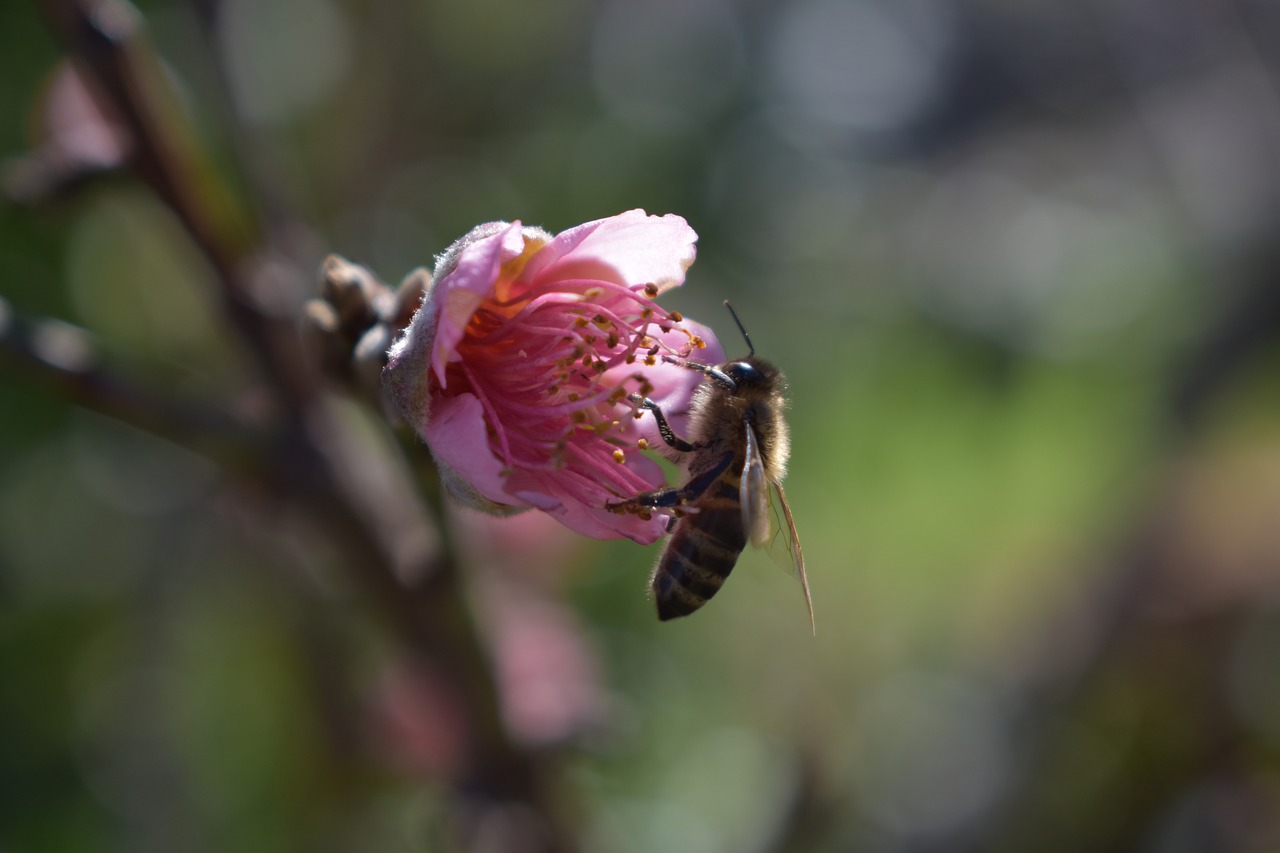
x=747 y=374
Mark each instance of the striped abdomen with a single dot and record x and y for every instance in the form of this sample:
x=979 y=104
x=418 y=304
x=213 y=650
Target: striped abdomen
x=702 y=551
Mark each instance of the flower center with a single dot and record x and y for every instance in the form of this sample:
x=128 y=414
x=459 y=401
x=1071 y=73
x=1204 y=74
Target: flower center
x=550 y=369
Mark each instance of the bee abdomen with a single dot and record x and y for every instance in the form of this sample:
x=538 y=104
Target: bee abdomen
x=703 y=550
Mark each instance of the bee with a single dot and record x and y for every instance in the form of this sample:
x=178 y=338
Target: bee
x=736 y=454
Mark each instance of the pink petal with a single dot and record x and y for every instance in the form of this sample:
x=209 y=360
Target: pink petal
x=600 y=523
x=631 y=248
x=457 y=437
x=545 y=492
x=457 y=296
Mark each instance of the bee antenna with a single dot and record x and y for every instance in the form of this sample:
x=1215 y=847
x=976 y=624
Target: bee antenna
x=741 y=328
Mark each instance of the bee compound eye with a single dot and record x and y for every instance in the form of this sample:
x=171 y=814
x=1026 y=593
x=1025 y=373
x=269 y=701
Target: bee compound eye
x=742 y=371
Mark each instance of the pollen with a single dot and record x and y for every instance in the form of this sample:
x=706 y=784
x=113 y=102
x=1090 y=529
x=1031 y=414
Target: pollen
x=651 y=290
x=676 y=316
x=650 y=360
x=581 y=322
x=642 y=443
x=619 y=457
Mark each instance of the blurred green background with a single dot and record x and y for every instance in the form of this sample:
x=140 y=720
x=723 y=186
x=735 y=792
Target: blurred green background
x=1020 y=264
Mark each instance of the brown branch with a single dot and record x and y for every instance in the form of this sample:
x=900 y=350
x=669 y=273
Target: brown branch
x=306 y=455
x=63 y=358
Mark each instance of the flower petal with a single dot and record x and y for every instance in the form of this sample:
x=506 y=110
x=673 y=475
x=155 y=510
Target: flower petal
x=462 y=289
x=457 y=437
x=631 y=248
x=593 y=519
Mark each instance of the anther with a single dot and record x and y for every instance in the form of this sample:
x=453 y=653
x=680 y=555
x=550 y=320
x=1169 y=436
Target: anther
x=619 y=457
x=651 y=290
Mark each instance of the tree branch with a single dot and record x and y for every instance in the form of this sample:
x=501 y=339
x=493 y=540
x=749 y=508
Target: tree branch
x=306 y=455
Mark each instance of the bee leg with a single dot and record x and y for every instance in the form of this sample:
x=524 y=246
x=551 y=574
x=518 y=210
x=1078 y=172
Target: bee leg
x=664 y=428
x=669 y=498
x=658 y=499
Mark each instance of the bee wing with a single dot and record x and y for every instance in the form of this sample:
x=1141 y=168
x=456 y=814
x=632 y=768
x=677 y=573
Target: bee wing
x=753 y=493
x=797 y=555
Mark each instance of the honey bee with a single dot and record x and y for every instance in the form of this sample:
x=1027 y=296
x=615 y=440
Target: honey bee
x=736 y=455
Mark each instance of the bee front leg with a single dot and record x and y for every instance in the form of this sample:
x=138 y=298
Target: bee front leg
x=664 y=429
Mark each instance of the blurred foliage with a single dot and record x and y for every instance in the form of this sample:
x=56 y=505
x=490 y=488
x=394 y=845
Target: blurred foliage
x=1019 y=263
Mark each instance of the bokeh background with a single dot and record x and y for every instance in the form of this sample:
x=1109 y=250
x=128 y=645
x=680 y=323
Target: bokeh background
x=1020 y=262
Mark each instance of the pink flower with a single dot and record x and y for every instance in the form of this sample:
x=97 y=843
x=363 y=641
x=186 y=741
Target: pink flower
x=518 y=368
